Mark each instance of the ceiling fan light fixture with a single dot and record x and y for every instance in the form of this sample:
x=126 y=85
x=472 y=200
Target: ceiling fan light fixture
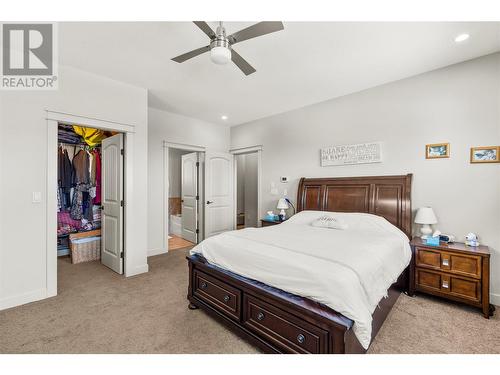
x=220 y=55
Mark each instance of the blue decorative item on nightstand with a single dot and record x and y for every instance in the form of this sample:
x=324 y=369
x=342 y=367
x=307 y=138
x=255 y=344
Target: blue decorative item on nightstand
x=432 y=241
x=270 y=215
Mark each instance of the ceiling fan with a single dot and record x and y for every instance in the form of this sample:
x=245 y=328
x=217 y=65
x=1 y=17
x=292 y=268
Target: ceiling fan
x=221 y=46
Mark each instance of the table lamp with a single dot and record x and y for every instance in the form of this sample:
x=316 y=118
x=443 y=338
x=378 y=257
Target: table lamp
x=426 y=217
x=282 y=205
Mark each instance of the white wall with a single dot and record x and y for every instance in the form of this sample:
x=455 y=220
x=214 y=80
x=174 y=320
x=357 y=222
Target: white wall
x=170 y=127
x=174 y=171
x=23 y=168
x=458 y=104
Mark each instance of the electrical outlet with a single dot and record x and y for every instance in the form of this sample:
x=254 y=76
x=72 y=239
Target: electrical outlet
x=284 y=179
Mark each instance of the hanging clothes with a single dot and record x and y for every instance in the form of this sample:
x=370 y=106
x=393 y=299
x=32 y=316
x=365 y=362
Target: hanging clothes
x=65 y=179
x=92 y=136
x=97 y=198
x=81 y=168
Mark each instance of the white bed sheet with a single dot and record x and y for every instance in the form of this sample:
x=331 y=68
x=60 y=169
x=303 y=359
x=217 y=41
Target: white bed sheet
x=349 y=270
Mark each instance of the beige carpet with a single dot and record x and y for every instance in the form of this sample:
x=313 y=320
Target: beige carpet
x=98 y=311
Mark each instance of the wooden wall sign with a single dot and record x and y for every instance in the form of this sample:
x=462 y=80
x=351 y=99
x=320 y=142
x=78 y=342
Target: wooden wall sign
x=360 y=153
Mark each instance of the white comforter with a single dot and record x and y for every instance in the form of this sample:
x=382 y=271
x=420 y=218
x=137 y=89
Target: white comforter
x=349 y=270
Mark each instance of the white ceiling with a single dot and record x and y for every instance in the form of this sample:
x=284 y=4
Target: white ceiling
x=305 y=63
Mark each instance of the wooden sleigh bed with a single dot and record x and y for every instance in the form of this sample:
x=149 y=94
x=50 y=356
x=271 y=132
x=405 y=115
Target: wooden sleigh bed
x=280 y=322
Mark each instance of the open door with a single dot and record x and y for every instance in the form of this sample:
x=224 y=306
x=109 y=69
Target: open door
x=112 y=203
x=219 y=193
x=190 y=196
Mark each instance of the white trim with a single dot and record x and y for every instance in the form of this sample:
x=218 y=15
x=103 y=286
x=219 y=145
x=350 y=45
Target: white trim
x=153 y=252
x=138 y=270
x=24 y=298
x=93 y=122
x=51 y=210
x=245 y=150
x=164 y=200
x=166 y=146
x=53 y=118
x=495 y=299
x=183 y=146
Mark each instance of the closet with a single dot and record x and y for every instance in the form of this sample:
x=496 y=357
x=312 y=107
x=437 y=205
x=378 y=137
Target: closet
x=86 y=207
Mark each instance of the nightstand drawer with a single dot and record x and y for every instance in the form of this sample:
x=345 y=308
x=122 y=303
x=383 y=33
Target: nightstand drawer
x=459 y=264
x=459 y=287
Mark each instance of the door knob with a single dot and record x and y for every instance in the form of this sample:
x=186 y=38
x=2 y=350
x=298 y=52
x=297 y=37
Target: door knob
x=210 y=202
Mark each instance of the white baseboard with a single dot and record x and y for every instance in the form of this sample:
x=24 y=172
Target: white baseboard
x=137 y=270
x=22 y=299
x=495 y=299
x=154 y=252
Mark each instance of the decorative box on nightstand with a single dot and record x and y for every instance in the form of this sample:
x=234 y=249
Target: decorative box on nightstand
x=453 y=271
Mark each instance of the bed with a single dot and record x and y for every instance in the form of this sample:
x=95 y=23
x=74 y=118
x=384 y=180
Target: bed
x=311 y=304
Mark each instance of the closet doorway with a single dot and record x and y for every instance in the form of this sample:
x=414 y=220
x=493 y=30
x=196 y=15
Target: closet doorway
x=247 y=166
x=90 y=196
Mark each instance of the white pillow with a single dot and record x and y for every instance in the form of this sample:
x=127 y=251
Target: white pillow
x=328 y=221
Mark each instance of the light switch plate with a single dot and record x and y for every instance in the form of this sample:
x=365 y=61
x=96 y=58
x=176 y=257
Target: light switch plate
x=37 y=196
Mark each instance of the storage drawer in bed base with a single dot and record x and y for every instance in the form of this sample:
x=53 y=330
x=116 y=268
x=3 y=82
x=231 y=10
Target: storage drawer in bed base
x=275 y=321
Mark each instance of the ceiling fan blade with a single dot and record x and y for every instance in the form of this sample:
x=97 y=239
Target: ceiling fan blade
x=205 y=28
x=261 y=28
x=189 y=55
x=241 y=63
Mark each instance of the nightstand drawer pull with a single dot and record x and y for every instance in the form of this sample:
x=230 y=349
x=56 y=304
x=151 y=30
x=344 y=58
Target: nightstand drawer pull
x=301 y=338
x=260 y=316
x=445 y=284
x=446 y=262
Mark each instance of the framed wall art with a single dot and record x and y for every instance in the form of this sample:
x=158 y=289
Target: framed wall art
x=437 y=151
x=486 y=154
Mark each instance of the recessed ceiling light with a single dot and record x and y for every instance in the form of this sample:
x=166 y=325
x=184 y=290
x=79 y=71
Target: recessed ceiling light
x=223 y=117
x=462 y=38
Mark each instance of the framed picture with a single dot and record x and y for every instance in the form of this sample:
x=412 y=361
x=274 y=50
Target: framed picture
x=489 y=154
x=437 y=151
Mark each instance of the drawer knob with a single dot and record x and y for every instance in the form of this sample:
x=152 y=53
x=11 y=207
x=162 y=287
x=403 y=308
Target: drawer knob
x=301 y=338
x=445 y=284
x=260 y=316
x=226 y=298
x=446 y=262
x=203 y=285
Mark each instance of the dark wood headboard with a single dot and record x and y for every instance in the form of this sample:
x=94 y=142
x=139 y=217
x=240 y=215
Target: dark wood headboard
x=387 y=196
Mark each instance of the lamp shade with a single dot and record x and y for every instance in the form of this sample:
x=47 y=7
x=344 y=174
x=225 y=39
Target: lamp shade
x=282 y=204
x=425 y=215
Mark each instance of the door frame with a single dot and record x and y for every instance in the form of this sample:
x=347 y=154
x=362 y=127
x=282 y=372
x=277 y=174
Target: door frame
x=53 y=119
x=167 y=145
x=249 y=150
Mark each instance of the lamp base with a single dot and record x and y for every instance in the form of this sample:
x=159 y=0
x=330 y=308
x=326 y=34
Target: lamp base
x=282 y=215
x=426 y=231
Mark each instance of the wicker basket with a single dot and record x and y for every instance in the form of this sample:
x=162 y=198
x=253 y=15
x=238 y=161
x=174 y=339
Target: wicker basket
x=85 y=249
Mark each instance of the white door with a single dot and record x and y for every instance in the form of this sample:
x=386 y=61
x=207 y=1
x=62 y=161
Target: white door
x=219 y=193
x=189 y=199
x=112 y=202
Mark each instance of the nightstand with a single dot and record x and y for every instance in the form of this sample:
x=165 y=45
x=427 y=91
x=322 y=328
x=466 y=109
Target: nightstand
x=453 y=271
x=268 y=223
